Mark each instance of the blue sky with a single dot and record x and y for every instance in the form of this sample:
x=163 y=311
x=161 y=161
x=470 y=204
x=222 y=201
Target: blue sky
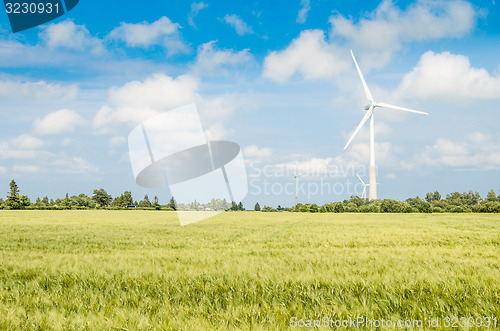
x=275 y=77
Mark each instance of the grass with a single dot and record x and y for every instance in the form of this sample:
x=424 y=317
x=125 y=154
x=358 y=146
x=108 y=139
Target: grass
x=134 y=270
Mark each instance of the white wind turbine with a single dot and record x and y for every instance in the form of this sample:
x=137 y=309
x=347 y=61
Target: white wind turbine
x=369 y=115
x=296 y=177
x=363 y=196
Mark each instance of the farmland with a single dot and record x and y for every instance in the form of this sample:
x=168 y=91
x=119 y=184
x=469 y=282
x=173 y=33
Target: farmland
x=95 y=270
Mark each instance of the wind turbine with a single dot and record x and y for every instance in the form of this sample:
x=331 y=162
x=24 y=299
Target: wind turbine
x=296 y=176
x=363 y=196
x=369 y=115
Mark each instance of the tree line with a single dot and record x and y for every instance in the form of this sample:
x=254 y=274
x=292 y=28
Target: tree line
x=456 y=202
x=433 y=202
x=101 y=199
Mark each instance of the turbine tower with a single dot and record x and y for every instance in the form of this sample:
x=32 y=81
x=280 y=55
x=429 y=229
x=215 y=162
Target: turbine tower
x=369 y=115
x=296 y=176
x=363 y=195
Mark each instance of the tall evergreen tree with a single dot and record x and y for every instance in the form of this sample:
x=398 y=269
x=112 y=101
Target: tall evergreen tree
x=172 y=204
x=257 y=207
x=14 y=199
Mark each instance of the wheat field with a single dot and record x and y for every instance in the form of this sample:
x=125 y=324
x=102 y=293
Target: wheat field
x=140 y=270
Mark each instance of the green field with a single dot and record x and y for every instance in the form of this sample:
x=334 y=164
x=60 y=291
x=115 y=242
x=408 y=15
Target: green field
x=133 y=270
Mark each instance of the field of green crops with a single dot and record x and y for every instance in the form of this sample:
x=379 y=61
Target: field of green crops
x=140 y=270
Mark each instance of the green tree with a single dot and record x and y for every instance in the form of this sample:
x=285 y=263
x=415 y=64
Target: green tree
x=339 y=208
x=102 y=198
x=240 y=206
x=172 y=204
x=14 y=199
x=145 y=202
x=491 y=196
x=156 y=204
x=124 y=200
x=66 y=202
x=257 y=207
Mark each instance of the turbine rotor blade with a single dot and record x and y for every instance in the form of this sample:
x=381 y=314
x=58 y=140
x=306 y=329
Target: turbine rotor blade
x=365 y=118
x=386 y=105
x=361 y=180
x=367 y=90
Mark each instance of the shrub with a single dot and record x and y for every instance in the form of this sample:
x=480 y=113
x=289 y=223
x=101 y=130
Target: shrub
x=437 y=210
x=457 y=209
x=313 y=208
x=268 y=209
x=339 y=208
x=392 y=206
x=305 y=208
x=370 y=208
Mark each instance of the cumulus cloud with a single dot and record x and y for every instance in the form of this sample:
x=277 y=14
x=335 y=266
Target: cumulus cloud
x=22 y=147
x=57 y=122
x=196 y=7
x=137 y=101
x=388 y=27
x=451 y=77
x=162 y=32
x=210 y=59
x=27 y=169
x=309 y=55
x=117 y=141
x=238 y=24
x=37 y=91
x=304 y=10
x=69 y=35
x=476 y=151
x=72 y=165
x=52 y=163
x=26 y=141
x=256 y=152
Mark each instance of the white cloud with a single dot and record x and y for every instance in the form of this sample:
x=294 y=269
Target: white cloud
x=238 y=24
x=60 y=121
x=255 y=152
x=56 y=164
x=7 y=152
x=67 y=142
x=28 y=168
x=162 y=32
x=3 y=170
x=26 y=141
x=302 y=15
x=309 y=55
x=195 y=9
x=451 y=77
x=117 y=141
x=137 y=101
x=37 y=91
x=72 y=165
x=211 y=60
x=334 y=167
x=477 y=151
x=69 y=35
x=388 y=27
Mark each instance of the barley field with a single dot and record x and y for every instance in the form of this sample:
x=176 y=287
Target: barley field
x=140 y=270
